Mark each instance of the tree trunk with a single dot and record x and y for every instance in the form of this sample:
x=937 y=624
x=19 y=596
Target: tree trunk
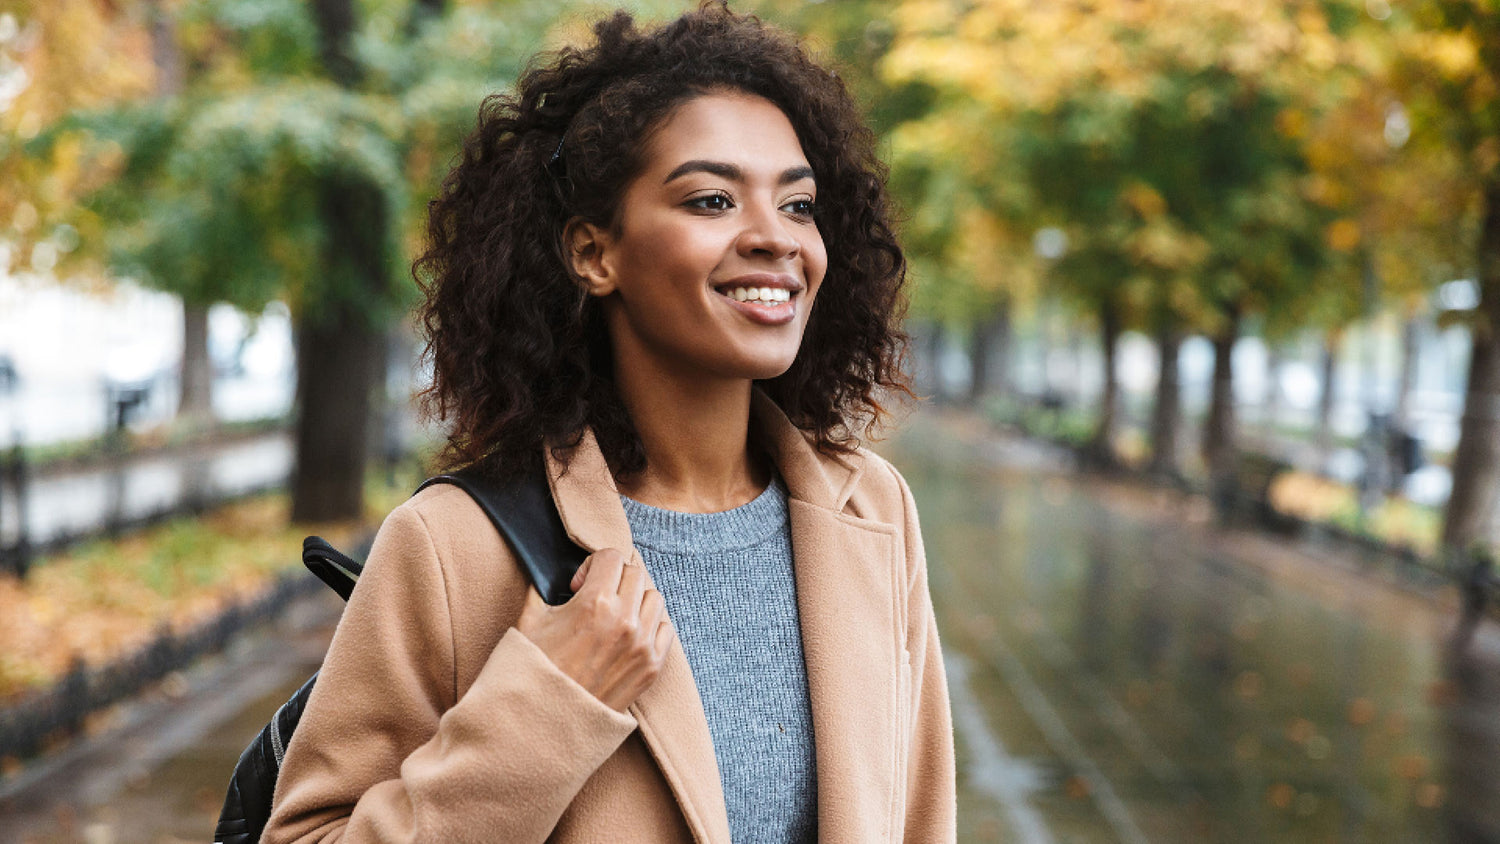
x=340 y=355
x=1166 y=414
x=1271 y=409
x=1220 y=450
x=195 y=407
x=1103 y=444
x=989 y=354
x=1323 y=437
x=421 y=12
x=1466 y=724
x=934 y=355
x=335 y=22
x=1075 y=345
x=334 y=372
x=1409 y=342
x=340 y=350
x=1476 y=461
x=165 y=54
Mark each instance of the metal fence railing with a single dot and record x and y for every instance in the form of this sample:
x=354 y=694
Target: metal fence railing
x=46 y=509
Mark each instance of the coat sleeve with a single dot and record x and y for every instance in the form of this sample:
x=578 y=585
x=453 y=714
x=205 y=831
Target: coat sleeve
x=931 y=801
x=386 y=751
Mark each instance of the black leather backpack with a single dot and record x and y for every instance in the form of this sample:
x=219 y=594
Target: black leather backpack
x=523 y=512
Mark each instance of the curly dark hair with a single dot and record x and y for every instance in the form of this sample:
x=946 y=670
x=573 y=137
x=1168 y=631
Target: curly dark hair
x=519 y=351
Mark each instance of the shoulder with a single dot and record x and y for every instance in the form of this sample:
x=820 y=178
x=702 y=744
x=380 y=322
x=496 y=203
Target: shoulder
x=442 y=510
x=446 y=527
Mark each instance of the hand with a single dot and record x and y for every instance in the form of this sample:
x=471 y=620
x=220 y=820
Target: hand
x=611 y=636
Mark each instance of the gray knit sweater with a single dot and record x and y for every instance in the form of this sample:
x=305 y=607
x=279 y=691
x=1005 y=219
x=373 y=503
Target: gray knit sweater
x=727 y=582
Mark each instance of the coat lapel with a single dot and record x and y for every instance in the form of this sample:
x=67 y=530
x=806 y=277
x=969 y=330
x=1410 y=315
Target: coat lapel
x=670 y=713
x=847 y=600
x=850 y=613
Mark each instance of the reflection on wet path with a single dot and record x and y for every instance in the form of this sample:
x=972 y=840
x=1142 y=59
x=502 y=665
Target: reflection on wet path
x=1144 y=678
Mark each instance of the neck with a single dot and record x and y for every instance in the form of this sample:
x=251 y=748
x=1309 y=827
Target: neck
x=696 y=435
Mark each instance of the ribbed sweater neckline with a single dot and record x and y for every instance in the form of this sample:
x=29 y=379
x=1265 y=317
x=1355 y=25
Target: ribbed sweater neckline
x=674 y=532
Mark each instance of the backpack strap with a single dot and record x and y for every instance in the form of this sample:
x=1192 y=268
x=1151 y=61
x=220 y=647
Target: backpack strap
x=523 y=511
x=331 y=567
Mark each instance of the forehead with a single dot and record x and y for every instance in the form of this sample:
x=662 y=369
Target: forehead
x=732 y=127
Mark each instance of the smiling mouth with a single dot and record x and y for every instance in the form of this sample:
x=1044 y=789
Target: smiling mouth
x=760 y=295
x=770 y=305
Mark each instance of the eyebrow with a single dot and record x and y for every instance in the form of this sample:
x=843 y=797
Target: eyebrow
x=733 y=172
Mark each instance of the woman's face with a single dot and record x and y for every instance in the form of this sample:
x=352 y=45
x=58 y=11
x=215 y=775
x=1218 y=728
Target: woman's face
x=715 y=261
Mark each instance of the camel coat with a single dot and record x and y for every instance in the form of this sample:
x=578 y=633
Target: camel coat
x=435 y=720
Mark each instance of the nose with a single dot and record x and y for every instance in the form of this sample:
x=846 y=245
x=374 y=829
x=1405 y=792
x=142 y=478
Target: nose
x=765 y=234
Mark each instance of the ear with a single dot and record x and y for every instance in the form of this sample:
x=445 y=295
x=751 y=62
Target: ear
x=584 y=245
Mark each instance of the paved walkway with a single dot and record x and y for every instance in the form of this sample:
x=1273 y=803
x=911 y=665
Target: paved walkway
x=155 y=769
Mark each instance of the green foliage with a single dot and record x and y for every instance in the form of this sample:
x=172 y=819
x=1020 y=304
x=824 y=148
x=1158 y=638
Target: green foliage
x=219 y=194
x=1202 y=157
x=216 y=198
x=271 y=38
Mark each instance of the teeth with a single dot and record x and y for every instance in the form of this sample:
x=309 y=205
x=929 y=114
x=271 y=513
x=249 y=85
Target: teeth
x=773 y=295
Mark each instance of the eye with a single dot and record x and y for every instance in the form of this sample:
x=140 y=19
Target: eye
x=710 y=202
x=802 y=208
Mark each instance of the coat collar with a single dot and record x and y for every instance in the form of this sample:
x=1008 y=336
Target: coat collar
x=823 y=480
x=589 y=501
x=826 y=544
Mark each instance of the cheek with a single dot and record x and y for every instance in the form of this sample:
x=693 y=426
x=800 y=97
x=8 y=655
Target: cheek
x=815 y=264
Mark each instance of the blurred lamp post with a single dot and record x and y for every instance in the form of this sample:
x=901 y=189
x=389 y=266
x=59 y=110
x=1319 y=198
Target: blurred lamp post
x=1050 y=244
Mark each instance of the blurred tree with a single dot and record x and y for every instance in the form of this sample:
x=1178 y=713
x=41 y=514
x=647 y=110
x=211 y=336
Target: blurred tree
x=339 y=336
x=56 y=56
x=1449 y=73
x=195 y=401
x=1401 y=204
x=287 y=167
x=1148 y=132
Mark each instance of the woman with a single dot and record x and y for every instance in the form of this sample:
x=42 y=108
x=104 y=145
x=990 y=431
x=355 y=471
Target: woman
x=620 y=292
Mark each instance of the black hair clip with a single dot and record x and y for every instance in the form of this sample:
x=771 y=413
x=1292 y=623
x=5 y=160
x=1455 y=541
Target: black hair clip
x=555 y=165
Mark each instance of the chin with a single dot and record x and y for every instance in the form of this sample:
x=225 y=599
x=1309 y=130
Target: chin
x=762 y=370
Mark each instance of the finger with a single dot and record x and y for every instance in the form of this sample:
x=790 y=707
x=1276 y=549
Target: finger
x=632 y=588
x=605 y=566
x=653 y=610
x=665 y=633
x=578 y=576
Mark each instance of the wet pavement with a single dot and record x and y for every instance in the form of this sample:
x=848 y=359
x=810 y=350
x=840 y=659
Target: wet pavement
x=1120 y=671
x=155 y=770
x=1123 y=671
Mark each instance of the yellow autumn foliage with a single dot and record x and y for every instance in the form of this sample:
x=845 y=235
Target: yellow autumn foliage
x=1020 y=53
